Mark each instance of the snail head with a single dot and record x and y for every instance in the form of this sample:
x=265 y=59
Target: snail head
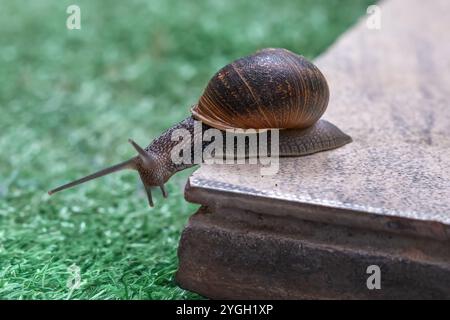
x=145 y=163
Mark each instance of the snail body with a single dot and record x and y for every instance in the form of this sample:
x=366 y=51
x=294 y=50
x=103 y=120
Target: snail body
x=271 y=89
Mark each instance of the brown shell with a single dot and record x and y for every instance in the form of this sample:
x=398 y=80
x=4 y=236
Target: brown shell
x=273 y=88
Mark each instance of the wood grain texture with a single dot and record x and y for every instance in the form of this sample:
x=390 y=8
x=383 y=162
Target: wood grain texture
x=390 y=91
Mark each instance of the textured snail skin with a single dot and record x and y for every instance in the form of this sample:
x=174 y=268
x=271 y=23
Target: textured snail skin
x=271 y=89
x=321 y=136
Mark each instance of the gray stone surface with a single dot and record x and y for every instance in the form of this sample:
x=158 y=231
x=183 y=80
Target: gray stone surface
x=390 y=91
x=311 y=230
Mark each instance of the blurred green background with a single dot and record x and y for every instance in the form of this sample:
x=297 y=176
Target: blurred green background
x=69 y=99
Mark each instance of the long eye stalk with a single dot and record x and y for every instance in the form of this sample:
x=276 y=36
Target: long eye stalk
x=129 y=164
x=144 y=167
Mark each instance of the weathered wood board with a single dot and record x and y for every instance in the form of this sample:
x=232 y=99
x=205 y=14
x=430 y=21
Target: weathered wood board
x=390 y=90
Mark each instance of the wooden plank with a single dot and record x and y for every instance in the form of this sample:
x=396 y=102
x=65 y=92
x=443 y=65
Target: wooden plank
x=312 y=229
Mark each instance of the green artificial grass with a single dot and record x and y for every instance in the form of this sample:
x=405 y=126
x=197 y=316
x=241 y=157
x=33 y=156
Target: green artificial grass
x=69 y=99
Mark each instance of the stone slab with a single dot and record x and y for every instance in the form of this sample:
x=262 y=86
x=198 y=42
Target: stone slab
x=311 y=230
x=390 y=90
x=239 y=254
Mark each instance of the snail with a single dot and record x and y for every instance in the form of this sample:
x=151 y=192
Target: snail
x=271 y=89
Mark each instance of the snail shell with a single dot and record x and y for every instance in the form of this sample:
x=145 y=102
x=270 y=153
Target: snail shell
x=273 y=88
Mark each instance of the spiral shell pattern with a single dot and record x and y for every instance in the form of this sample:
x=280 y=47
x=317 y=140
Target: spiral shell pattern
x=273 y=88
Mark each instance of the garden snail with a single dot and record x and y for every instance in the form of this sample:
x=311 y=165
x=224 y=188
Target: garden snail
x=271 y=89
